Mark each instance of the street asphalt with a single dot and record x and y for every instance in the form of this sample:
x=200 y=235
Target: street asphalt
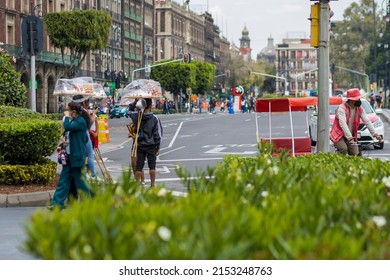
x=39 y=199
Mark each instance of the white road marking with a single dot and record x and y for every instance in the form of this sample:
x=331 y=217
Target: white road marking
x=163 y=170
x=219 y=150
x=175 y=136
x=189 y=159
x=171 y=151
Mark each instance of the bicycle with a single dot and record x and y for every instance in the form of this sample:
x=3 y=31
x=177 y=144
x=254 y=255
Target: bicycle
x=364 y=148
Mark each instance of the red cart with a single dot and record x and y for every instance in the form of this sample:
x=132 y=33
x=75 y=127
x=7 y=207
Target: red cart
x=297 y=145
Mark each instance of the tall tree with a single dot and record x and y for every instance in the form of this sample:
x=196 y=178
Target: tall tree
x=205 y=73
x=175 y=77
x=77 y=33
x=351 y=42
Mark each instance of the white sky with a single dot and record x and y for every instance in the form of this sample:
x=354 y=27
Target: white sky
x=263 y=18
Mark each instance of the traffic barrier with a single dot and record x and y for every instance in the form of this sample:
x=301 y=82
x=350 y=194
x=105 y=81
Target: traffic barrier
x=104 y=134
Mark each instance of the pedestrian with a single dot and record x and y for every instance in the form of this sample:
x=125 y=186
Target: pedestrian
x=222 y=106
x=345 y=127
x=165 y=107
x=212 y=105
x=61 y=108
x=84 y=102
x=76 y=123
x=132 y=130
x=378 y=99
x=149 y=141
x=372 y=101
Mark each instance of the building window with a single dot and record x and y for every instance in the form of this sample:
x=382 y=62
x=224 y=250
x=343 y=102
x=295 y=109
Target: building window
x=148 y=18
x=293 y=55
x=10 y=35
x=25 y=7
x=162 y=22
x=162 y=44
x=11 y=4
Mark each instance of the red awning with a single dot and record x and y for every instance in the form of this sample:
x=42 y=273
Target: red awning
x=296 y=103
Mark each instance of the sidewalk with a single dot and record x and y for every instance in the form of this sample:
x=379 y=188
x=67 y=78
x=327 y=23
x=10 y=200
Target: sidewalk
x=41 y=199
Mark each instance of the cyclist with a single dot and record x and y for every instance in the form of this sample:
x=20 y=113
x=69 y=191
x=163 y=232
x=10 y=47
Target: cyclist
x=345 y=127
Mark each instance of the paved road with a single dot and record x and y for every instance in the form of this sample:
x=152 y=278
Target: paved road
x=12 y=233
x=193 y=141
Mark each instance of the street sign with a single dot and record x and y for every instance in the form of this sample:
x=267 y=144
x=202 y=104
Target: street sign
x=112 y=85
x=29 y=84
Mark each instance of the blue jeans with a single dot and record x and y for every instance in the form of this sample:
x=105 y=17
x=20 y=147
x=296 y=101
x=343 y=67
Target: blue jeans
x=91 y=162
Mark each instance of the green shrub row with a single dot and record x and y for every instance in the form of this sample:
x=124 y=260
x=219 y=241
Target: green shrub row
x=42 y=172
x=160 y=111
x=321 y=206
x=26 y=141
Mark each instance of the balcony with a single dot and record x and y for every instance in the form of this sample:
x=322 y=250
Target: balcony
x=133 y=16
x=51 y=57
x=135 y=37
x=44 y=56
x=13 y=50
x=126 y=55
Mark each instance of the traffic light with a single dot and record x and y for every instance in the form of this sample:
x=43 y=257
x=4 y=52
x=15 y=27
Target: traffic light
x=249 y=72
x=187 y=58
x=32 y=35
x=228 y=73
x=315 y=25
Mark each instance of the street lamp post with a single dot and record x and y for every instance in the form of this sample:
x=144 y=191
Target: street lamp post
x=375 y=49
x=387 y=19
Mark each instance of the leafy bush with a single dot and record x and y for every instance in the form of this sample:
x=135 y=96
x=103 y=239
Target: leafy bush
x=41 y=172
x=12 y=90
x=24 y=142
x=321 y=206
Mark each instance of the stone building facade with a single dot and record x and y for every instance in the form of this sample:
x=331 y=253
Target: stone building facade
x=298 y=62
x=142 y=32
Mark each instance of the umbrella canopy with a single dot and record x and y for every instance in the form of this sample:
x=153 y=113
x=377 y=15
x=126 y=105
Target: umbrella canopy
x=77 y=86
x=142 y=88
x=293 y=104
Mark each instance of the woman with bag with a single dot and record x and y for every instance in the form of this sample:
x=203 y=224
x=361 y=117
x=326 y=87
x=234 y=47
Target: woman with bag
x=76 y=125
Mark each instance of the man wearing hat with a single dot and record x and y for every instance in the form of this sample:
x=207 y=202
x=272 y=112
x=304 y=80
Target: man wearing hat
x=345 y=127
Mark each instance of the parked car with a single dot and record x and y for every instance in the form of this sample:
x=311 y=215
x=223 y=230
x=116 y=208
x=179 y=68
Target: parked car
x=118 y=111
x=364 y=136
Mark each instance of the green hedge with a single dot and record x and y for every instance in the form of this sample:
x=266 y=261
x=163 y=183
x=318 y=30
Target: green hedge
x=15 y=112
x=26 y=136
x=25 y=142
x=322 y=206
x=42 y=172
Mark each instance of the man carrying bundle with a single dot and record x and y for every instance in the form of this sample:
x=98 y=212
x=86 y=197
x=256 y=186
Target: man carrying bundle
x=148 y=139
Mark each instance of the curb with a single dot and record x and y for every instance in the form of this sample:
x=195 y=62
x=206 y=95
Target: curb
x=36 y=199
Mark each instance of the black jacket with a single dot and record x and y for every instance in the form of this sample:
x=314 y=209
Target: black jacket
x=150 y=132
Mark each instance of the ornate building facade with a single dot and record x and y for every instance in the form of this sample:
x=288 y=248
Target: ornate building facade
x=142 y=32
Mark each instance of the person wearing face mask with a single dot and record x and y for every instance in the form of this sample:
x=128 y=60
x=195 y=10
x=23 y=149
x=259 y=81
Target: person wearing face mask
x=345 y=127
x=76 y=123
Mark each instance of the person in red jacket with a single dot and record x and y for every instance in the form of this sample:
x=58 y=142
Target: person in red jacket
x=345 y=127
